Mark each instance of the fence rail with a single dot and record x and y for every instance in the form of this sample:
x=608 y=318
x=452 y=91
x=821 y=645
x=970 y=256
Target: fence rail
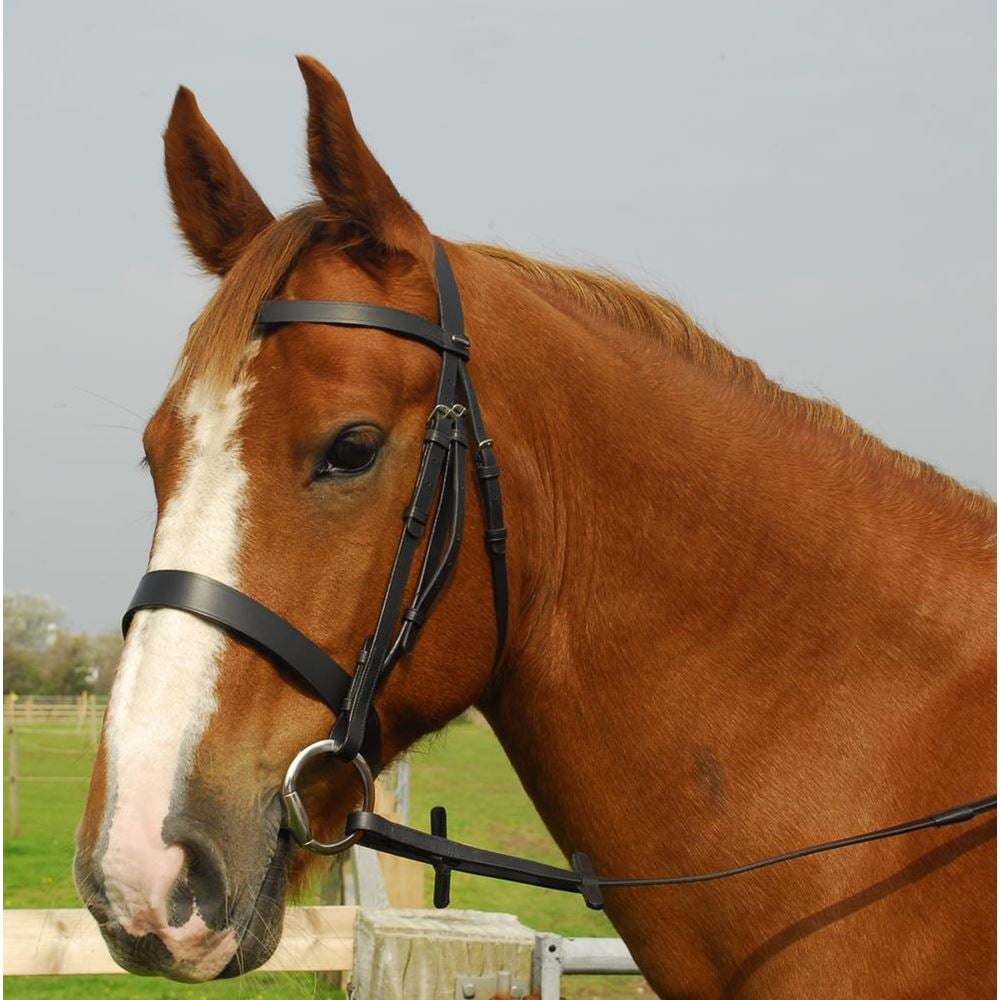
x=33 y=708
x=68 y=942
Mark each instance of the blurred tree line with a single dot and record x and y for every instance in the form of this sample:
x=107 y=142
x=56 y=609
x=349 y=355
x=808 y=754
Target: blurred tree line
x=41 y=656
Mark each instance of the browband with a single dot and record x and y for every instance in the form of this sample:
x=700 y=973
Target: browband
x=278 y=311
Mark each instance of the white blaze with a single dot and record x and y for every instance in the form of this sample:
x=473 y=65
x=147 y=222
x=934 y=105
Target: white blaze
x=164 y=694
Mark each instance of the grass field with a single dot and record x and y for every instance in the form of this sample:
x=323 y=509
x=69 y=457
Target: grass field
x=464 y=769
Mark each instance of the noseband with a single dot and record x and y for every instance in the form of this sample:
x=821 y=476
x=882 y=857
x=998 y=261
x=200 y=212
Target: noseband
x=438 y=500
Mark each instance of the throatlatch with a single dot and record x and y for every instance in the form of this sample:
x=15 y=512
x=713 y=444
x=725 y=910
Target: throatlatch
x=439 y=501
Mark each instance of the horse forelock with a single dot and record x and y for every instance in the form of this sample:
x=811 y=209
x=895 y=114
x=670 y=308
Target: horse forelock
x=214 y=352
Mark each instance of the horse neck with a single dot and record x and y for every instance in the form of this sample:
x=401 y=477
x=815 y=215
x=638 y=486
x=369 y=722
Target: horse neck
x=690 y=560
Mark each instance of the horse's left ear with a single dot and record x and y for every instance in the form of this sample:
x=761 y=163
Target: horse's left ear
x=355 y=188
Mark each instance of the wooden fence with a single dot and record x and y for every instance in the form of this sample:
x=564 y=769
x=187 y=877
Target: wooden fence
x=84 y=709
x=315 y=938
x=394 y=950
x=392 y=954
x=32 y=713
x=68 y=942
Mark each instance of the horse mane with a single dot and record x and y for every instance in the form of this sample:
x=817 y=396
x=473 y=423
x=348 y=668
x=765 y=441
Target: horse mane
x=216 y=344
x=612 y=298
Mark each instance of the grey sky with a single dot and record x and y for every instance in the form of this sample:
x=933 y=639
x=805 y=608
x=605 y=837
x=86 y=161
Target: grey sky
x=814 y=181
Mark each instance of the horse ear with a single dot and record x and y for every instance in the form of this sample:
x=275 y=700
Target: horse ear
x=355 y=188
x=216 y=207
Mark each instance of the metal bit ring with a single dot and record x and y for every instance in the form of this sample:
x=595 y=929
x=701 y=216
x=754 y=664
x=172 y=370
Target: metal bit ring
x=296 y=817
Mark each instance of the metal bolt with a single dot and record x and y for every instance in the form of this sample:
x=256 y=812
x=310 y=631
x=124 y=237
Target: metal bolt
x=516 y=993
x=469 y=991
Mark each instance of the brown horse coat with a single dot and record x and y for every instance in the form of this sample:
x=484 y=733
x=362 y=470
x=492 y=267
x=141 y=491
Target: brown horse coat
x=740 y=624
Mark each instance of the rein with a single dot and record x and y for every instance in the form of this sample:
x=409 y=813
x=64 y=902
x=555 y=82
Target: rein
x=438 y=500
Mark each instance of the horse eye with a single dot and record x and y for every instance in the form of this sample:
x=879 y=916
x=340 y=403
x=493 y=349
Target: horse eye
x=354 y=451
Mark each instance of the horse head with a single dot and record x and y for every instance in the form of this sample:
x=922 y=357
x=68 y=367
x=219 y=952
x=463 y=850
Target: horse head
x=281 y=460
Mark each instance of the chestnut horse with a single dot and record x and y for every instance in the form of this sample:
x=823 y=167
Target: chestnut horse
x=739 y=624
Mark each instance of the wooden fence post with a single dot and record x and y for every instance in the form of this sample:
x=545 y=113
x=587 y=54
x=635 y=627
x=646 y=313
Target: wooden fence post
x=404 y=879
x=13 y=804
x=399 y=954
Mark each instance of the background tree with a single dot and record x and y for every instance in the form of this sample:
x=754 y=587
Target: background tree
x=41 y=656
x=104 y=650
x=67 y=666
x=21 y=670
x=30 y=623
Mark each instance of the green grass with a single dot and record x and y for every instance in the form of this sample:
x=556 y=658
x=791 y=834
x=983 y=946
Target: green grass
x=256 y=986
x=463 y=769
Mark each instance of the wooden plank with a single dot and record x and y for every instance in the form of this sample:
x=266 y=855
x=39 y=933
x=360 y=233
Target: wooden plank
x=401 y=954
x=372 y=892
x=67 y=942
x=315 y=939
x=53 y=942
x=404 y=881
x=43 y=713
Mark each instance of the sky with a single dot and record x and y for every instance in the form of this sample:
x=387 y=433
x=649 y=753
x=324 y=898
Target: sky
x=815 y=182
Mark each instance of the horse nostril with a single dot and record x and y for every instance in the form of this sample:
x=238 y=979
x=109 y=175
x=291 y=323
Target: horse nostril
x=202 y=882
x=204 y=876
x=180 y=904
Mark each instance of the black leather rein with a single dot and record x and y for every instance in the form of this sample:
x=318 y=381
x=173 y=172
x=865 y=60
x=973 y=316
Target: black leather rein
x=446 y=856
x=438 y=502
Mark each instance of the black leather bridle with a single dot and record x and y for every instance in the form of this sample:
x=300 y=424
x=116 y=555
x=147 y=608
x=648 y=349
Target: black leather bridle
x=439 y=501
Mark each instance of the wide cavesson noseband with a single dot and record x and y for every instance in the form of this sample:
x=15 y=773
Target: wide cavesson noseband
x=438 y=500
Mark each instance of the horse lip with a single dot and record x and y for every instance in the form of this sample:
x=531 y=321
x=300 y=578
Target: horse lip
x=90 y=891
x=257 y=945
x=148 y=955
